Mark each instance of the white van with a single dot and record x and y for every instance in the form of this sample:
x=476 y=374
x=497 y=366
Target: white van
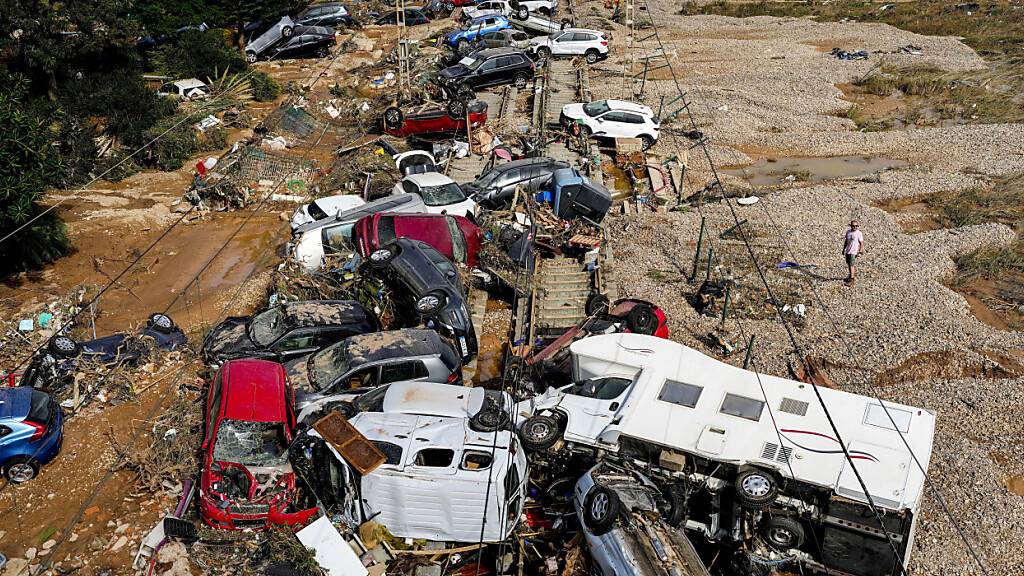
x=776 y=474
x=449 y=474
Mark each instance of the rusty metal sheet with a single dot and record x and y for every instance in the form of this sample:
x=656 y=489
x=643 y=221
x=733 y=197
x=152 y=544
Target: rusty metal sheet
x=355 y=448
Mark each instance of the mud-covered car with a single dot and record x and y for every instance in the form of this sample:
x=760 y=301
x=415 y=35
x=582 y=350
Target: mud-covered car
x=363 y=362
x=427 y=288
x=631 y=526
x=246 y=480
x=288 y=330
x=456 y=237
x=54 y=366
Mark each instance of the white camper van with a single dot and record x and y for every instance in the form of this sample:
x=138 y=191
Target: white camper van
x=778 y=477
x=450 y=475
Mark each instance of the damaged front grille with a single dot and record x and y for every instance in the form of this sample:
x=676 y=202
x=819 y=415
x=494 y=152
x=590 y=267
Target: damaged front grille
x=250 y=509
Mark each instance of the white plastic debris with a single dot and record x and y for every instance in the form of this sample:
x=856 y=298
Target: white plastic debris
x=332 y=552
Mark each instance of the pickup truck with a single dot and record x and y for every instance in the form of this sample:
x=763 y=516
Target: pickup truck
x=515 y=8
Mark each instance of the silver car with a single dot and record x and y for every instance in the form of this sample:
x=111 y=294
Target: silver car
x=626 y=521
x=284 y=28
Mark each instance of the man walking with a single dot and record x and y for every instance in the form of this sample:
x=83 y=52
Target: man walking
x=852 y=246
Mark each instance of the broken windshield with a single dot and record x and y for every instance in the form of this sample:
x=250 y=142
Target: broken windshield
x=250 y=443
x=327 y=365
x=442 y=195
x=596 y=108
x=267 y=327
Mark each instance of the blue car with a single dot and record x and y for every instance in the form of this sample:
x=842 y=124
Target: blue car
x=31 y=432
x=475 y=28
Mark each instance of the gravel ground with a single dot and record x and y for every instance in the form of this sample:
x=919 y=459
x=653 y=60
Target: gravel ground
x=766 y=86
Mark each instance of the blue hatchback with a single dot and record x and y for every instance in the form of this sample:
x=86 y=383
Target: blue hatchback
x=31 y=432
x=474 y=29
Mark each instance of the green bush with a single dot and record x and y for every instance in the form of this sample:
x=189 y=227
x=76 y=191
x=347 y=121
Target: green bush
x=175 y=147
x=264 y=88
x=199 y=55
x=126 y=106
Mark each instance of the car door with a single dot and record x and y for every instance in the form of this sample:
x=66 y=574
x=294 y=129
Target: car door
x=610 y=125
x=297 y=342
x=402 y=370
x=563 y=44
x=592 y=405
x=485 y=75
x=362 y=379
x=632 y=124
x=491 y=40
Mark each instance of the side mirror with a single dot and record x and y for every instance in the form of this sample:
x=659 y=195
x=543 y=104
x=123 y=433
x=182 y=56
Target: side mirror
x=614 y=406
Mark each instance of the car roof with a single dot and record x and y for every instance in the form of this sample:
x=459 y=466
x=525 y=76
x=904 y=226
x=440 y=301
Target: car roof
x=479 y=19
x=629 y=106
x=587 y=30
x=433 y=399
x=15 y=402
x=189 y=83
x=323 y=312
x=365 y=348
x=502 y=51
x=429 y=179
x=254 y=390
x=525 y=162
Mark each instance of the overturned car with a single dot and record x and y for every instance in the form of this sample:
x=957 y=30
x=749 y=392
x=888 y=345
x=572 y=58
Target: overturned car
x=782 y=489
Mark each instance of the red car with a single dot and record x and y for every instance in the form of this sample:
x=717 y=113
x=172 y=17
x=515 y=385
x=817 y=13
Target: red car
x=623 y=315
x=246 y=481
x=456 y=237
x=434 y=118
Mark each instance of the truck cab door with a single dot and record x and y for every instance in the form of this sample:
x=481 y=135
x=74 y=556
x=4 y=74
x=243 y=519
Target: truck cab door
x=592 y=406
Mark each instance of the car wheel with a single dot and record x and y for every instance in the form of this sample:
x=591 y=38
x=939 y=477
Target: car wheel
x=429 y=303
x=161 y=322
x=642 y=320
x=324 y=52
x=592 y=56
x=543 y=52
x=20 y=469
x=489 y=419
x=783 y=533
x=600 y=509
x=380 y=258
x=596 y=304
x=586 y=131
x=646 y=142
x=674 y=511
x=520 y=81
x=522 y=13
x=539 y=432
x=544 y=11
x=449 y=6
x=756 y=489
x=393 y=118
x=456 y=108
x=63 y=346
x=251 y=57
x=287 y=31
x=346 y=409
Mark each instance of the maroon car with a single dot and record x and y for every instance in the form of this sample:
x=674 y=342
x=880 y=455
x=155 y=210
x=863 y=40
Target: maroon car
x=434 y=118
x=456 y=237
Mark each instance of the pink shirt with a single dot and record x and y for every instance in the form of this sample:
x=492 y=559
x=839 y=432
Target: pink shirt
x=854 y=240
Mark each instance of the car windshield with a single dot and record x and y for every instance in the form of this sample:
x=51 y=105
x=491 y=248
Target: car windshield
x=459 y=249
x=337 y=238
x=327 y=365
x=267 y=326
x=250 y=443
x=372 y=401
x=442 y=195
x=316 y=212
x=596 y=108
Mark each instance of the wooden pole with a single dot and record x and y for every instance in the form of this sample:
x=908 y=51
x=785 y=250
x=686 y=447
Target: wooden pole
x=750 y=352
x=700 y=246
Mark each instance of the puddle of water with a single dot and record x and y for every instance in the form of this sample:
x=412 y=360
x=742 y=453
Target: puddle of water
x=772 y=171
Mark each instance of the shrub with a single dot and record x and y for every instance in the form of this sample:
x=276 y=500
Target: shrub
x=172 y=150
x=199 y=55
x=264 y=88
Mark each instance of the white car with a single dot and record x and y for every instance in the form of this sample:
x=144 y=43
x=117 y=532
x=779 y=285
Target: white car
x=613 y=119
x=440 y=193
x=521 y=9
x=591 y=44
x=324 y=208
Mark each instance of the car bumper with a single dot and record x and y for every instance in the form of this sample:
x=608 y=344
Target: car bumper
x=227 y=520
x=48 y=447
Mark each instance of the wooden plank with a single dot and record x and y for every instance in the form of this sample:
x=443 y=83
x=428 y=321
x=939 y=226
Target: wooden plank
x=355 y=448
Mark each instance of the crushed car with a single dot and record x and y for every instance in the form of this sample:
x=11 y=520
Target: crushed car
x=780 y=487
x=246 y=480
x=456 y=237
x=434 y=118
x=53 y=367
x=439 y=192
x=453 y=470
x=363 y=362
x=461 y=39
x=324 y=208
x=427 y=289
x=288 y=330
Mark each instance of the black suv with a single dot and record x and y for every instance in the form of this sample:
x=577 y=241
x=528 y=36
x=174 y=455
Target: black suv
x=494 y=189
x=488 y=67
x=427 y=284
x=307 y=41
x=288 y=330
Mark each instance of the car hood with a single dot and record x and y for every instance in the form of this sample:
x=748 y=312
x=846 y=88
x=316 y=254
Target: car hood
x=229 y=339
x=574 y=111
x=455 y=71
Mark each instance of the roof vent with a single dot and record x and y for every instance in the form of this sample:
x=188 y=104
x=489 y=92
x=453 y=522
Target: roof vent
x=772 y=451
x=798 y=407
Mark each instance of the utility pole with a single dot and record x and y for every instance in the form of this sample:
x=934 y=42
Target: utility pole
x=629 y=63
x=404 y=81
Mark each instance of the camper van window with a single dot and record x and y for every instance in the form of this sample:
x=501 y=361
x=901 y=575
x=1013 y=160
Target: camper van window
x=876 y=416
x=680 y=393
x=743 y=407
x=600 y=388
x=473 y=460
x=435 y=457
x=393 y=452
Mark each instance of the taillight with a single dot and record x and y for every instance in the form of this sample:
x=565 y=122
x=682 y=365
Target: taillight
x=604 y=42
x=453 y=377
x=40 y=430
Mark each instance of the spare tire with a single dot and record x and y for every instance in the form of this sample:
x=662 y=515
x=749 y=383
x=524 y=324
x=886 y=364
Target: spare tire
x=756 y=489
x=641 y=319
x=783 y=533
x=539 y=432
x=346 y=409
x=457 y=107
x=522 y=13
x=160 y=322
x=596 y=304
x=393 y=118
x=490 y=419
x=600 y=509
x=63 y=346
